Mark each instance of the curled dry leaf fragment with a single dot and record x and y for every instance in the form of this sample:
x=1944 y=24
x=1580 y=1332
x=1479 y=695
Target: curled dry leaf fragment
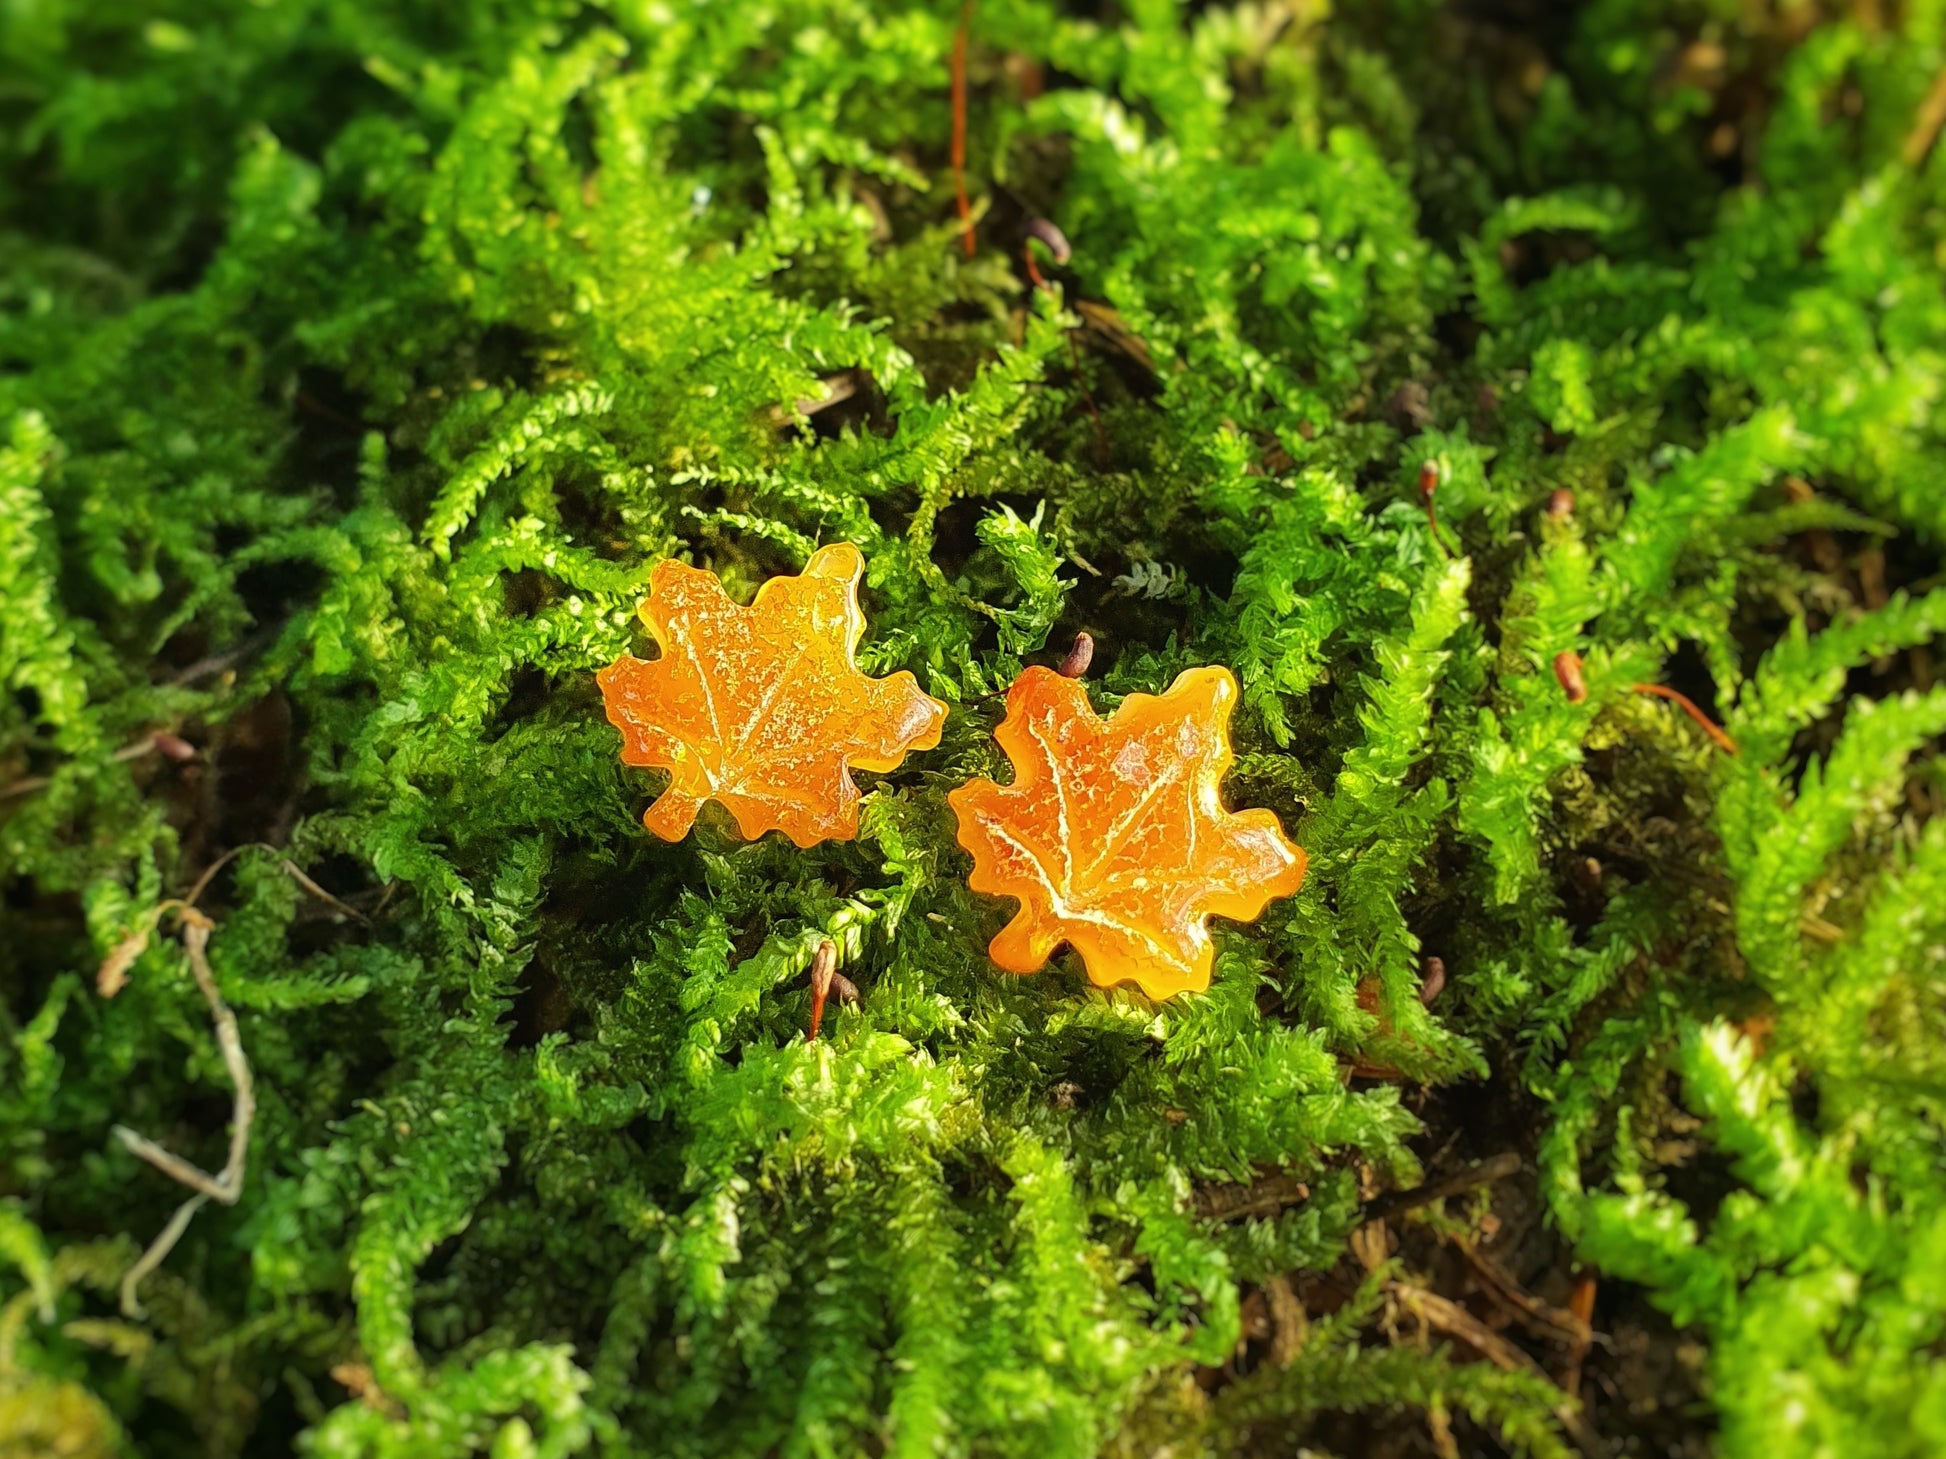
x=1113 y=836
x=763 y=708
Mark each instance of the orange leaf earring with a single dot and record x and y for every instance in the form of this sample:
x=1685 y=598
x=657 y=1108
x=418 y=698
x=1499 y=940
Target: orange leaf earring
x=763 y=708
x=1113 y=836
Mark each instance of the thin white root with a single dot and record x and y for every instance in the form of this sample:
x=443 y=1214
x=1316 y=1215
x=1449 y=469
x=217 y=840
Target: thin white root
x=153 y=1257
x=226 y=1185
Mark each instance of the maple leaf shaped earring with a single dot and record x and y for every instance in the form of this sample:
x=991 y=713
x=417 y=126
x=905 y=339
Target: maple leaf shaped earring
x=763 y=708
x=1113 y=836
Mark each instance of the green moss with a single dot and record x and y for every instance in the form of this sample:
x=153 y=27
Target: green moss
x=357 y=363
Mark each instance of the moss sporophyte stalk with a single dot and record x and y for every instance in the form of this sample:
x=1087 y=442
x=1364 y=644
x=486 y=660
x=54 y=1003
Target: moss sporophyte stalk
x=1486 y=461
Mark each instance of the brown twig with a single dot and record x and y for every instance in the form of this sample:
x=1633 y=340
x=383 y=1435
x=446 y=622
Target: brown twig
x=1439 y=1426
x=959 y=127
x=227 y=1184
x=1926 y=123
x=217 y=663
x=284 y=864
x=1688 y=706
x=172 y=747
x=1486 y=1172
x=1581 y=1306
x=1078 y=658
x=26 y=785
x=112 y=976
x=1543 y=1318
x=1265 y=1196
x=195 y=892
x=1448 y=1317
x=1290 y=1325
x=1109 y=324
x=296 y=874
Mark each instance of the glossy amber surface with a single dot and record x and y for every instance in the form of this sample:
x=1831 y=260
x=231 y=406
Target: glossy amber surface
x=763 y=708
x=1113 y=835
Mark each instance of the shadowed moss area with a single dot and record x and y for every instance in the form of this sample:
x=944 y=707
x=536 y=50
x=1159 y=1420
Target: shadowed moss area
x=358 y=363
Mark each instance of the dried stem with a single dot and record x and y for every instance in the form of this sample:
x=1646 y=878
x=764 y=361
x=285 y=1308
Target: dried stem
x=150 y=744
x=227 y=1184
x=967 y=240
x=1925 y=126
x=1290 y=1325
x=195 y=893
x=1485 y=1173
x=218 y=663
x=160 y=1248
x=290 y=869
x=1265 y=1196
x=1581 y=1306
x=1442 y=1315
x=1439 y=1425
x=1567 y=1327
x=112 y=976
x=296 y=874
